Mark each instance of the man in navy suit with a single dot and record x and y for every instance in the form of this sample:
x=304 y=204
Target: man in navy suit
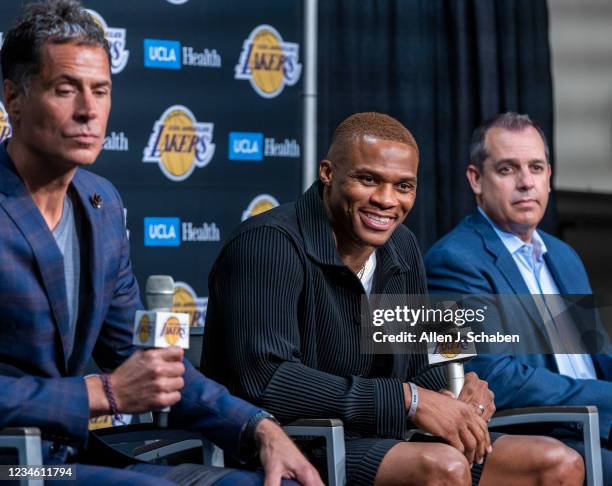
x=499 y=250
x=67 y=290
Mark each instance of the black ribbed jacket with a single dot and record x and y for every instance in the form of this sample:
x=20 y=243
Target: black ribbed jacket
x=283 y=322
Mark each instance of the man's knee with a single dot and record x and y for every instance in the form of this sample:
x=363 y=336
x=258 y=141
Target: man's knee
x=446 y=466
x=423 y=464
x=561 y=464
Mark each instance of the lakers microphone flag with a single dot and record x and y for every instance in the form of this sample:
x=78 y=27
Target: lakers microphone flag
x=154 y=329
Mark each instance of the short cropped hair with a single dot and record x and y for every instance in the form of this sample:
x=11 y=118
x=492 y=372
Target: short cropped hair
x=376 y=125
x=512 y=121
x=54 y=21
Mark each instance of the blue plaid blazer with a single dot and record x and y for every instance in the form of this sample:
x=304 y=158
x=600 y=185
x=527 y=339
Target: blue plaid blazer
x=43 y=387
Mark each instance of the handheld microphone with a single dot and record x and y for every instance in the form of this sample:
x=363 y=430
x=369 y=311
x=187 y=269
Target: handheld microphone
x=453 y=352
x=160 y=293
x=159 y=327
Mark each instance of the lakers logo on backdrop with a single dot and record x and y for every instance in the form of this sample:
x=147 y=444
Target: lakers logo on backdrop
x=101 y=422
x=268 y=62
x=5 y=126
x=187 y=301
x=258 y=205
x=116 y=41
x=179 y=143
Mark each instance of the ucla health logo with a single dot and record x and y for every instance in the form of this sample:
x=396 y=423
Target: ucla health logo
x=253 y=146
x=268 y=62
x=171 y=232
x=245 y=146
x=116 y=41
x=162 y=232
x=169 y=54
x=179 y=143
x=164 y=54
x=5 y=126
x=116 y=141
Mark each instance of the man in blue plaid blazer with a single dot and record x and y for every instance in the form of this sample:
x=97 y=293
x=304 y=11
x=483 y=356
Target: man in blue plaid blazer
x=67 y=290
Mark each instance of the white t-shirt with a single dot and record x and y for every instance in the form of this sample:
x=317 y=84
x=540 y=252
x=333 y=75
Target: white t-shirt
x=368 y=273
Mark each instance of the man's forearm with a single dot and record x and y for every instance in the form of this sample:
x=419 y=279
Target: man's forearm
x=58 y=406
x=98 y=403
x=367 y=405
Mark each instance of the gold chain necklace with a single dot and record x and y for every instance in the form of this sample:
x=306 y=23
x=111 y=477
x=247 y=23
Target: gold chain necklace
x=361 y=271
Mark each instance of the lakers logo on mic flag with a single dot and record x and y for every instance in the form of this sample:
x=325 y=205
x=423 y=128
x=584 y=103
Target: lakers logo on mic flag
x=154 y=329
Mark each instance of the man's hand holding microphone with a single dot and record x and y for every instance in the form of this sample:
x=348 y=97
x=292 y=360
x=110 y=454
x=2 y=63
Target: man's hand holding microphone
x=152 y=378
x=458 y=415
x=458 y=421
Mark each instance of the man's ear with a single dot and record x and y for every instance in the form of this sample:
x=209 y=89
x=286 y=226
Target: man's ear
x=474 y=178
x=326 y=172
x=12 y=100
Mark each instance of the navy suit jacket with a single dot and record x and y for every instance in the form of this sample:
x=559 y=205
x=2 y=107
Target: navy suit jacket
x=42 y=386
x=472 y=259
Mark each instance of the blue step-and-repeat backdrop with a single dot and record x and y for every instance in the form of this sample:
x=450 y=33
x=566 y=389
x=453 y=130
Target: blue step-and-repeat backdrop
x=205 y=129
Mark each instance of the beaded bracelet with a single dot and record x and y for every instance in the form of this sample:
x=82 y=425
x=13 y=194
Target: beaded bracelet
x=110 y=396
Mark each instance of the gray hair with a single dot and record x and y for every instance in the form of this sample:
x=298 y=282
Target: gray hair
x=514 y=122
x=55 y=21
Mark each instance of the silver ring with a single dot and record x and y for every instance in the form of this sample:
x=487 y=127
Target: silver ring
x=482 y=409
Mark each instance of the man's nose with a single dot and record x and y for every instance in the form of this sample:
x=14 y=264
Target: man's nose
x=85 y=106
x=384 y=196
x=525 y=179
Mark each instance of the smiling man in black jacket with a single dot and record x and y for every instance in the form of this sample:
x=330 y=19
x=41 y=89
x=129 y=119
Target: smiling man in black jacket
x=283 y=326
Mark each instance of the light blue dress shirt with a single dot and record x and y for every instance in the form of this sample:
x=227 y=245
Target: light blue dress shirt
x=529 y=258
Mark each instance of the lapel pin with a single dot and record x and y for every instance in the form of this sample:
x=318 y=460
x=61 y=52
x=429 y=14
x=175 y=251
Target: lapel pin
x=96 y=200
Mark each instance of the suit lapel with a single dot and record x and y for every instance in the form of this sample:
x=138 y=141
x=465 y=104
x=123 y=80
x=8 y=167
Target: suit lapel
x=505 y=263
x=26 y=216
x=92 y=276
x=558 y=276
